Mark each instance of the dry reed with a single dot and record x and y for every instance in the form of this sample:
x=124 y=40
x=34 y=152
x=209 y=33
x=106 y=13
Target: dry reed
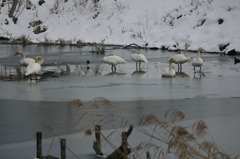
x=76 y=103
x=200 y=128
x=174 y=115
x=177 y=141
x=88 y=132
x=100 y=49
x=167 y=139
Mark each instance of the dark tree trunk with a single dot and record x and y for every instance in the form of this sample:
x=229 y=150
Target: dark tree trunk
x=13 y=8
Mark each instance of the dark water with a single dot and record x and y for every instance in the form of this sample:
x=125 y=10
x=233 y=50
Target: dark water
x=27 y=107
x=20 y=120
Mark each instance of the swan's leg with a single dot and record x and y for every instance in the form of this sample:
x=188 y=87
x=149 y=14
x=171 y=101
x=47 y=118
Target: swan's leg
x=139 y=64
x=115 y=68
x=200 y=69
x=36 y=77
x=112 y=68
x=136 y=65
x=194 y=70
x=179 y=67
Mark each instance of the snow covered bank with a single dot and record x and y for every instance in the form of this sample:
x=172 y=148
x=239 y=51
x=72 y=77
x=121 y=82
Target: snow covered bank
x=211 y=24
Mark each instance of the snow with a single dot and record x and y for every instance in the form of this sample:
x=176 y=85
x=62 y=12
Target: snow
x=155 y=23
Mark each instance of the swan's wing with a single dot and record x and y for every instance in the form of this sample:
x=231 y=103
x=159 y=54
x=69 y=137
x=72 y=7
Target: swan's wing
x=197 y=62
x=138 y=57
x=119 y=60
x=29 y=60
x=143 y=58
x=134 y=57
x=32 y=68
x=178 y=58
x=114 y=60
x=109 y=60
x=165 y=70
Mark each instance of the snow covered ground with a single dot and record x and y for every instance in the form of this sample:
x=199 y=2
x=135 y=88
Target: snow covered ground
x=154 y=23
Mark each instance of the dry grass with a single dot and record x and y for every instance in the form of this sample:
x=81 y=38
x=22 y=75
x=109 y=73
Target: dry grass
x=168 y=138
x=80 y=43
x=47 y=41
x=24 y=39
x=62 y=42
x=88 y=132
x=46 y=127
x=100 y=49
x=199 y=128
x=101 y=101
x=174 y=115
x=149 y=120
x=177 y=141
x=76 y=103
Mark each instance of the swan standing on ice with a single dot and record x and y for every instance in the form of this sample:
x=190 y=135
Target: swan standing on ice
x=180 y=59
x=169 y=71
x=113 y=60
x=198 y=61
x=138 y=58
x=24 y=61
x=35 y=67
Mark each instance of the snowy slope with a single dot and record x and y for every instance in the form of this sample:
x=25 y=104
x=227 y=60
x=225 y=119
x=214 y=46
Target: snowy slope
x=152 y=23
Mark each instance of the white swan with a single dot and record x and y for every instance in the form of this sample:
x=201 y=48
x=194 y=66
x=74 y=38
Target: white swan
x=138 y=58
x=180 y=59
x=113 y=60
x=34 y=67
x=24 y=61
x=198 y=61
x=169 y=71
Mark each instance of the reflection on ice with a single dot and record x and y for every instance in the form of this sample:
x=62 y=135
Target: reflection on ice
x=53 y=70
x=17 y=72
x=11 y=73
x=182 y=74
x=139 y=73
x=115 y=74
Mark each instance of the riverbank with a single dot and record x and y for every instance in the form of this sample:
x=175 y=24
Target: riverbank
x=169 y=25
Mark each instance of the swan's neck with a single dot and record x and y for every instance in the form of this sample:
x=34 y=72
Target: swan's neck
x=40 y=61
x=198 y=54
x=23 y=55
x=185 y=51
x=170 y=66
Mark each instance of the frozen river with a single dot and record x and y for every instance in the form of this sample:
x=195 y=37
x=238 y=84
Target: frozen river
x=27 y=107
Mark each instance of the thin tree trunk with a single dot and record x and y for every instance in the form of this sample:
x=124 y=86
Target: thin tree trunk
x=13 y=8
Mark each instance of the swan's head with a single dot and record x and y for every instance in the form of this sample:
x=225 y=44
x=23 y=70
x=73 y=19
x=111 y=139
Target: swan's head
x=19 y=53
x=187 y=45
x=171 y=60
x=39 y=59
x=200 y=49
